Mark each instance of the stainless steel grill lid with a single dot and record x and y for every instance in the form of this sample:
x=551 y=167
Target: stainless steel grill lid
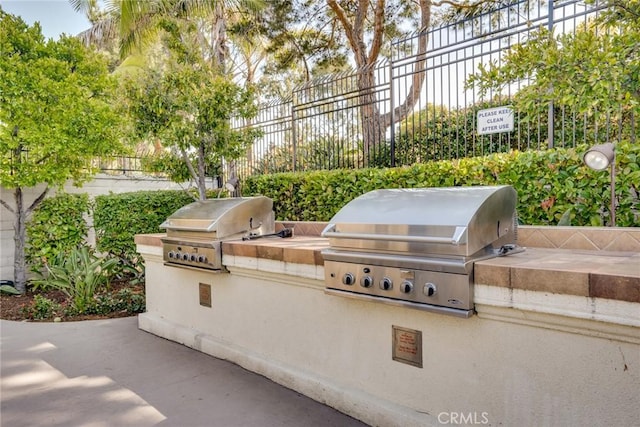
x=195 y=231
x=417 y=247
x=221 y=218
x=457 y=221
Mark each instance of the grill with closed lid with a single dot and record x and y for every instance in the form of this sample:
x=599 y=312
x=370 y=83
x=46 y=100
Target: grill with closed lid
x=195 y=231
x=417 y=247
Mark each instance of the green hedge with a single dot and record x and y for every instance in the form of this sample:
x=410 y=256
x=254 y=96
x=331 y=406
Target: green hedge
x=117 y=218
x=549 y=183
x=58 y=225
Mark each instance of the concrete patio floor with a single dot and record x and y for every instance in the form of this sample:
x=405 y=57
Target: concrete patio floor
x=109 y=373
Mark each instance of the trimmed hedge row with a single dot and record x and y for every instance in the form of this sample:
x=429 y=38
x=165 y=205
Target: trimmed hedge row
x=117 y=218
x=57 y=225
x=551 y=185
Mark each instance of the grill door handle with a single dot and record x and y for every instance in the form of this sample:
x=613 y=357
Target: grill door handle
x=455 y=240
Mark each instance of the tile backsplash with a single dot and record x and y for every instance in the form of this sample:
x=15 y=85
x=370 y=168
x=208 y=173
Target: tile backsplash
x=302 y=228
x=576 y=238
x=580 y=238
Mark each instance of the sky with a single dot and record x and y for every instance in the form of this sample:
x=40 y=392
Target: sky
x=55 y=16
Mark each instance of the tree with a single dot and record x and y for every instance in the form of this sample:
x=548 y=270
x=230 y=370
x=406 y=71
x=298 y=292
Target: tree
x=625 y=12
x=593 y=72
x=56 y=113
x=301 y=43
x=137 y=24
x=366 y=25
x=190 y=108
x=192 y=32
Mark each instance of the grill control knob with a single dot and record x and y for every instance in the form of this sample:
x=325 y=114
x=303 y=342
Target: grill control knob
x=348 y=279
x=366 y=282
x=185 y=257
x=429 y=289
x=386 y=284
x=202 y=258
x=171 y=254
x=193 y=257
x=406 y=287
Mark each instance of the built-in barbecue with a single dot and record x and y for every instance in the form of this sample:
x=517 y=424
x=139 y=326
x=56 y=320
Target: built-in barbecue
x=417 y=247
x=195 y=231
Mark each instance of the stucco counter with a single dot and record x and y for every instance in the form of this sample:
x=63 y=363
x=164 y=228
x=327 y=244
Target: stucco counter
x=556 y=338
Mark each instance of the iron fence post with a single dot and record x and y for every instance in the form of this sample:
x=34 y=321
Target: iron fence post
x=293 y=135
x=550 y=119
x=392 y=136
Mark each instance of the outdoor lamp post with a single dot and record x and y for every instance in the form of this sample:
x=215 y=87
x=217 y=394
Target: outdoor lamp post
x=231 y=185
x=599 y=157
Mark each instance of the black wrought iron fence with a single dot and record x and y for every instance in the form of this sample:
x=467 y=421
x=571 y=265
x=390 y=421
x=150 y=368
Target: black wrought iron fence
x=275 y=150
x=118 y=165
x=418 y=106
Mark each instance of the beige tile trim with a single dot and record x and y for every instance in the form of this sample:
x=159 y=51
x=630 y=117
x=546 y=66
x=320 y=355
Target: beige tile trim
x=580 y=238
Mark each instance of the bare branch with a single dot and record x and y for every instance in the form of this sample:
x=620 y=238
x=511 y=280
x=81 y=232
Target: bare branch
x=7 y=207
x=36 y=202
x=192 y=171
x=348 y=28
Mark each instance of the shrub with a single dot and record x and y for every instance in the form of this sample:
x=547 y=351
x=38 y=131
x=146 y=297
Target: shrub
x=57 y=226
x=125 y=300
x=119 y=217
x=549 y=183
x=42 y=308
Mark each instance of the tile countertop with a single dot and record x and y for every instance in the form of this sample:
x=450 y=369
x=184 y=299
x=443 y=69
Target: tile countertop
x=600 y=274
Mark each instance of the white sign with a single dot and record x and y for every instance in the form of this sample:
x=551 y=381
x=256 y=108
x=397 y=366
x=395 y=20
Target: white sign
x=495 y=120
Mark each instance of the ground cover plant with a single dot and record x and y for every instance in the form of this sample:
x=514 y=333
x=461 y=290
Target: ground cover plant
x=74 y=285
x=119 y=299
x=70 y=280
x=78 y=275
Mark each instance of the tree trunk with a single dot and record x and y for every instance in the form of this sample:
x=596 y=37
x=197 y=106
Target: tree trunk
x=233 y=177
x=372 y=131
x=19 y=238
x=403 y=110
x=202 y=183
x=374 y=125
x=193 y=173
x=219 y=38
x=419 y=76
x=20 y=235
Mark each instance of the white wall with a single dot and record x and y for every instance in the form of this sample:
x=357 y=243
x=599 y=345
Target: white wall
x=101 y=184
x=503 y=366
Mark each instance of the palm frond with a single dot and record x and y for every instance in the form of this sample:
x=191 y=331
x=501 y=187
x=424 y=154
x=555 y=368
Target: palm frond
x=100 y=32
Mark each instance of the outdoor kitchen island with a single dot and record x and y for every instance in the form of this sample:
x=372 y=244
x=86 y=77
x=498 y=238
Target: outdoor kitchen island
x=555 y=339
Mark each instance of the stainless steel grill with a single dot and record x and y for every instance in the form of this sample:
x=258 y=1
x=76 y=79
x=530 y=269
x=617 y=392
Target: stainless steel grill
x=195 y=231
x=417 y=247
